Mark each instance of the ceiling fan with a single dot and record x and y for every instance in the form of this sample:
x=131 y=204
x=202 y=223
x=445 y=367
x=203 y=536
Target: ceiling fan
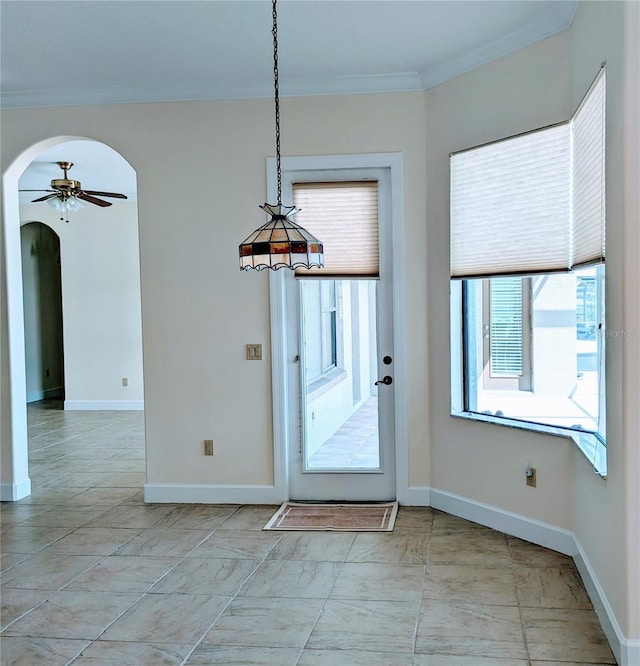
x=67 y=195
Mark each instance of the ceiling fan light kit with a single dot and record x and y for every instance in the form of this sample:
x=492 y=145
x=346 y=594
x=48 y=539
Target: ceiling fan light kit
x=65 y=204
x=67 y=196
x=280 y=243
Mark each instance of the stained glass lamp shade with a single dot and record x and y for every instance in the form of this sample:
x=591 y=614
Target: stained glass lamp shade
x=280 y=243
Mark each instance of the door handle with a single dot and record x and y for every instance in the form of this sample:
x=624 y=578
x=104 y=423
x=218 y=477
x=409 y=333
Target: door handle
x=385 y=380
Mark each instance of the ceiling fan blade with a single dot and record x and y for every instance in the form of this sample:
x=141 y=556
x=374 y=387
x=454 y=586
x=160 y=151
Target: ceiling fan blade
x=115 y=195
x=86 y=197
x=43 y=190
x=46 y=197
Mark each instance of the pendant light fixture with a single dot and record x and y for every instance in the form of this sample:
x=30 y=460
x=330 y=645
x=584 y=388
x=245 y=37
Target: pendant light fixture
x=280 y=243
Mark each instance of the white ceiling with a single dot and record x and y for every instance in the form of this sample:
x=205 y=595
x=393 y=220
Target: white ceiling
x=76 y=52
x=66 y=52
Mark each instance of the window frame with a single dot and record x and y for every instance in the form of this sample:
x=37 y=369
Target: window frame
x=592 y=444
x=329 y=337
x=586 y=226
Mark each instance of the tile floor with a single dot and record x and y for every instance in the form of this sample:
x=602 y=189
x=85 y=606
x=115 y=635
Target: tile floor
x=354 y=445
x=92 y=575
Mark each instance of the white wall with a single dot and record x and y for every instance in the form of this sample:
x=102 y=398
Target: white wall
x=553 y=336
x=631 y=312
x=101 y=303
x=14 y=463
x=482 y=461
x=198 y=309
x=605 y=510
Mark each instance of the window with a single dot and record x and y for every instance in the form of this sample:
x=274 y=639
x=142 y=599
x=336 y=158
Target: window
x=319 y=301
x=547 y=371
x=527 y=268
x=329 y=341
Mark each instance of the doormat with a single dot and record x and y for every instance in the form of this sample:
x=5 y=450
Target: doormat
x=334 y=517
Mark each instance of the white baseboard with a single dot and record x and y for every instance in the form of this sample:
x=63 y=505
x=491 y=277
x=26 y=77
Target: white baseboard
x=626 y=652
x=515 y=524
x=415 y=496
x=180 y=493
x=228 y=494
x=630 y=653
x=12 y=492
x=36 y=396
x=103 y=405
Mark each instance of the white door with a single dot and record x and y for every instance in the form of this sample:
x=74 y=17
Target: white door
x=341 y=391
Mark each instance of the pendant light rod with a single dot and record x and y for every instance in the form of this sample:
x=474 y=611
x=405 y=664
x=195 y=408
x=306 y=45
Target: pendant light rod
x=280 y=243
x=276 y=97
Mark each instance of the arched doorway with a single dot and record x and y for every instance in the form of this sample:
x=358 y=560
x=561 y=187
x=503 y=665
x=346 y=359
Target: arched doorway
x=94 y=315
x=42 y=303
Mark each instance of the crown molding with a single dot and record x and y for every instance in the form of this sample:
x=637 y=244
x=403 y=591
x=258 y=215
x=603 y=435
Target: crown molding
x=546 y=26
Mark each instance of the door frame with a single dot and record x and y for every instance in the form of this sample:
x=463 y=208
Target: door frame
x=281 y=358
x=345 y=484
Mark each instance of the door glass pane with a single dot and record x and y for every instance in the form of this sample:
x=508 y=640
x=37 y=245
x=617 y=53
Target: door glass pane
x=339 y=370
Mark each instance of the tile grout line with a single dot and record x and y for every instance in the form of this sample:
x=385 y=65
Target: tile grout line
x=232 y=599
x=324 y=603
x=146 y=592
x=60 y=589
x=517 y=597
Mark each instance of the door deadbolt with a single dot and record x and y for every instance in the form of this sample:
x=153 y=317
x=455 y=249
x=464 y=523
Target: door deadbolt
x=387 y=360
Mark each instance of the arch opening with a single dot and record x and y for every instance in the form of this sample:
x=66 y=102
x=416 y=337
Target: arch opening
x=100 y=295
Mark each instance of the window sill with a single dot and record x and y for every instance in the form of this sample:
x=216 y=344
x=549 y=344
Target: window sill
x=326 y=383
x=591 y=445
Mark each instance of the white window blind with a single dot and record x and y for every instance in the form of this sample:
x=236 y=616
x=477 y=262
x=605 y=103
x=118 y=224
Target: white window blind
x=511 y=205
x=533 y=203
x=588 y=148
x=344 y=216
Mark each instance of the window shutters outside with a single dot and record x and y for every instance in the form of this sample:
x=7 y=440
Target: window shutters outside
x=344 y=216
x=505 y=321
x=533 y=203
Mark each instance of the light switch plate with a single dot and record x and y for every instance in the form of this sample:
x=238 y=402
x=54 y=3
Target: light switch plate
x=254 y=352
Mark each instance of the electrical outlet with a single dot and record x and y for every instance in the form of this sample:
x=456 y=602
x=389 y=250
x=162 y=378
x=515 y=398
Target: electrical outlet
x=125 y=381
x=532 y=478
x=209 y=449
